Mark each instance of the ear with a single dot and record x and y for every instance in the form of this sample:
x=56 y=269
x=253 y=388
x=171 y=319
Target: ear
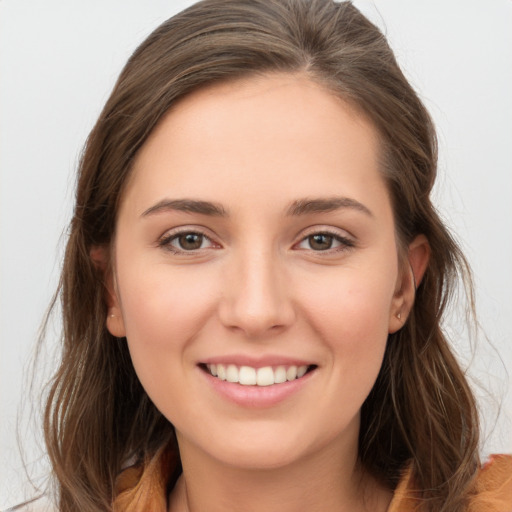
x=100 y=257
x=418 y=255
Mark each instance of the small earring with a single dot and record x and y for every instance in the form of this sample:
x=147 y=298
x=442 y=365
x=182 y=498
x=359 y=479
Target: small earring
x=112 y=315
x=399 y=316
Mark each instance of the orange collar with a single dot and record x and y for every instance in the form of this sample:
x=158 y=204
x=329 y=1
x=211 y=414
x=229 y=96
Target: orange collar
x=493 y=491
x=144 y=489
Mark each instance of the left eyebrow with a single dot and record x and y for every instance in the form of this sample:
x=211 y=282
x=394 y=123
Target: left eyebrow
x=329 y=204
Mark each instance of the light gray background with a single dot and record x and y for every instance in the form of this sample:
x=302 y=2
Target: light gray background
x=58 y=63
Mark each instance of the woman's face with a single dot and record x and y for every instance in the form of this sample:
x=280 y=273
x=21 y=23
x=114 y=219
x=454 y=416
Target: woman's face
x=255 y=241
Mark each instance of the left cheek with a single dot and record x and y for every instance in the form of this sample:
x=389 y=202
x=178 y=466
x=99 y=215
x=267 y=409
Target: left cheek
x=354 y=320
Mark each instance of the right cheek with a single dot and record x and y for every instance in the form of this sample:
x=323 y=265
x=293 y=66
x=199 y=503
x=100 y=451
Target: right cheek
x=168 y=306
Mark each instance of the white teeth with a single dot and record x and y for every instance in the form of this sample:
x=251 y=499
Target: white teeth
x=221 y=372
x=280 y=375
x=291 y=373
x=265 y=376
x=248 y=376
x=232 y=373
x=301 y=371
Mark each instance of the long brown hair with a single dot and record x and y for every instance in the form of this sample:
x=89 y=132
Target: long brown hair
x=421 y=412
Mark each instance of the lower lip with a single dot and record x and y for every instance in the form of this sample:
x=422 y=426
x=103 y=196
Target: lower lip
x=257 y=396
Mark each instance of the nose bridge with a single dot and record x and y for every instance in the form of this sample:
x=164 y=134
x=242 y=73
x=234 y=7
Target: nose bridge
x=256 y=299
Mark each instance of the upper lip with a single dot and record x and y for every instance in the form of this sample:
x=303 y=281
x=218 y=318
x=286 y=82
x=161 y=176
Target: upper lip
x=256 y=362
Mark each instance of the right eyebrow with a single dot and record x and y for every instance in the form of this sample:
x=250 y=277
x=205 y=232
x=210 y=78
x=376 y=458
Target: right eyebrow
x=187 y=205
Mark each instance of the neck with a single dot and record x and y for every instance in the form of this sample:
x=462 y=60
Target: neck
x=326 y=480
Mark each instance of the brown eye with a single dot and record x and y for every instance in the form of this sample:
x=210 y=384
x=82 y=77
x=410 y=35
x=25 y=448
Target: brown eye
x=190 y=241
x=320 y=241
x=185 y=242
x=326 y=242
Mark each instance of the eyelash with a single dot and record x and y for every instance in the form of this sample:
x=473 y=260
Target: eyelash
x=345 y=243
x=165 y=241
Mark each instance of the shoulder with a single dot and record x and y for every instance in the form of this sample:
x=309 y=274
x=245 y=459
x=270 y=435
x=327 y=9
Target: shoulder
x=492 y=491
x=494 y=486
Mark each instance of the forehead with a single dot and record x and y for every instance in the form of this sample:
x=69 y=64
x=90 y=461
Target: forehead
x=260 y=138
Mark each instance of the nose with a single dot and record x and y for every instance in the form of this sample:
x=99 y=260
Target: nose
x=257 y=297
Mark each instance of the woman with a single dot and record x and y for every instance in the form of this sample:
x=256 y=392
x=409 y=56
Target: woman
x=254 y=281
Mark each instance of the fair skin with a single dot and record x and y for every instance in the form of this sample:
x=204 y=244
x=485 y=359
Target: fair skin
x=295 y=270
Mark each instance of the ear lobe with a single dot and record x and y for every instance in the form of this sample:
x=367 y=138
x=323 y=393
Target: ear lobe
x=114 y=321
x=418 y=255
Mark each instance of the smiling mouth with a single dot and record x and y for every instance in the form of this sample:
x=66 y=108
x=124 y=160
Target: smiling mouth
x=264 y=376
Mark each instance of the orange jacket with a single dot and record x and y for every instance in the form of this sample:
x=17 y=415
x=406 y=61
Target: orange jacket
x=146 y=491
x=493 y=489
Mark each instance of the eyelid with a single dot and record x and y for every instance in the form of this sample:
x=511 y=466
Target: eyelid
x=313 y=230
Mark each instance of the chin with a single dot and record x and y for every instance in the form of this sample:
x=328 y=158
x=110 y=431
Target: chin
x=266 y=445
x=256 y=458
